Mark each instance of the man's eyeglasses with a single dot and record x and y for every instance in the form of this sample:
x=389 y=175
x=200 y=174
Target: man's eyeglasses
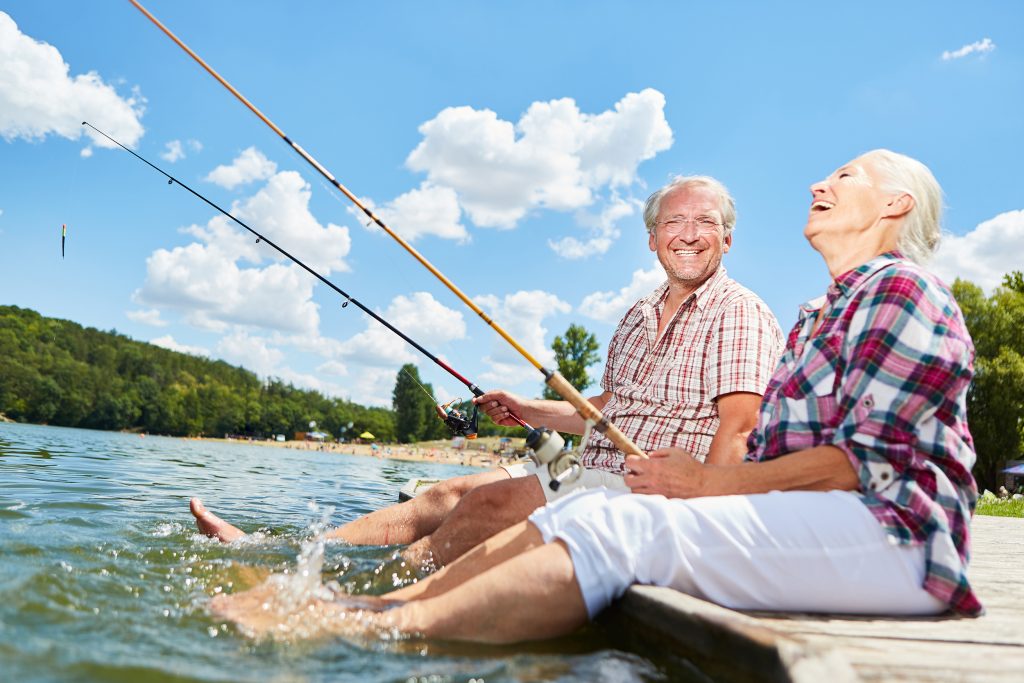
x=675 y=224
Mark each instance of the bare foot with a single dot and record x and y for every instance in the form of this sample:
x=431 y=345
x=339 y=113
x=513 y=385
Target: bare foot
x=212 y=525
x=271 y=609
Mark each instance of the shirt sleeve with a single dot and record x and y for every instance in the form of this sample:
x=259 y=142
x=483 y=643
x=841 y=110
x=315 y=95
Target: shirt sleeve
x=897 y=400
x=608 y=378
x=744 y=349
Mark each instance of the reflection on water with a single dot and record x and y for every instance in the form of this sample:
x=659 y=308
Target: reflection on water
x=103 y=577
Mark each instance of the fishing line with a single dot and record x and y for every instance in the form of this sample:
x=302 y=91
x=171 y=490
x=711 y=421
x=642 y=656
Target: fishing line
x=552 y=378
x=349 y=299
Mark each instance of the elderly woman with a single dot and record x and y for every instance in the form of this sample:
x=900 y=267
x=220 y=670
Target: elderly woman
x=856 y=495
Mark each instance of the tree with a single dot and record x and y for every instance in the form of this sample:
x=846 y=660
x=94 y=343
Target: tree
x=995 y=400
x=1014 y=280
x=574 y=353
x=411 y=405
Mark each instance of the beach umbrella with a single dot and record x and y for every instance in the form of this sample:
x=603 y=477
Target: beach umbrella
x=367 y=435
x=1016 y=469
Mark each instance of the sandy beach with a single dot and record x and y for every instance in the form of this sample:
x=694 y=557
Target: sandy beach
x=477 y=453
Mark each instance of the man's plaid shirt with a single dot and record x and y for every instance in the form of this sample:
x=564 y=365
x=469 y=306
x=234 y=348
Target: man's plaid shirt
x=885 y=379
x=722 y=339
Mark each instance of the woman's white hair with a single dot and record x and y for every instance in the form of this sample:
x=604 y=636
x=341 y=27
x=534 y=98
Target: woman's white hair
x=922 y=228
x=726 y=205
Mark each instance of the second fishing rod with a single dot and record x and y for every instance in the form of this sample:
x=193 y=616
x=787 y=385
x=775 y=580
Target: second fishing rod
x=457 y=422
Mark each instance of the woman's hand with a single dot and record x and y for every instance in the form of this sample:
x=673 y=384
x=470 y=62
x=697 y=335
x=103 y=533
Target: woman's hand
x=671 y=472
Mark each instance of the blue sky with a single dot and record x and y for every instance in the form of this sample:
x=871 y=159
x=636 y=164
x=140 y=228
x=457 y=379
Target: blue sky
x=511 y=142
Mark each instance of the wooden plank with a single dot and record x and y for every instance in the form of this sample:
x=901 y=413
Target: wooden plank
x=795 y=647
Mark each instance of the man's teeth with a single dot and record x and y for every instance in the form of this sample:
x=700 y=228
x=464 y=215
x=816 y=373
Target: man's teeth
x=821 y=206
x=686 y=252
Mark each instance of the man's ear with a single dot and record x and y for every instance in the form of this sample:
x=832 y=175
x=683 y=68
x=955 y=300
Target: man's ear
x=652 y=240
x=726 y=244
x=899 y=205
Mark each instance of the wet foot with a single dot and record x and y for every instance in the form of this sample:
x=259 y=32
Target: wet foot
x=270 y=610
x=212 y=525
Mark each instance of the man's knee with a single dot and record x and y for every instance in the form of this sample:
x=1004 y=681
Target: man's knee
x=450 y=491
x=511 y=500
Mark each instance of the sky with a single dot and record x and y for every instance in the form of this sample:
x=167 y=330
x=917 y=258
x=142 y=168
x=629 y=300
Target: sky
x=513 y=144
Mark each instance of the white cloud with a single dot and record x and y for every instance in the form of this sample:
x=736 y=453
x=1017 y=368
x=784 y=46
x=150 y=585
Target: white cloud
x=147 y=317
x=39 y=97
x=428 y=210
x=249 y=166
x=984 y=254
x=609 y=307
x=168 y=342
x=420 y=316
x=981 y=47
x=174 y=151
x=521 y=314
x=280 y=211
x=554 y=157
x=261 y=356
x=206 y=281
x=251 y=351
x=603 y=230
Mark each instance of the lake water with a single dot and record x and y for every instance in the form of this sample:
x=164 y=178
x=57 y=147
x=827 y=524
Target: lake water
x=103 y=578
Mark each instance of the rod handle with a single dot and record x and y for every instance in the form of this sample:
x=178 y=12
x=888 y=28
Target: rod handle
x=587 y=411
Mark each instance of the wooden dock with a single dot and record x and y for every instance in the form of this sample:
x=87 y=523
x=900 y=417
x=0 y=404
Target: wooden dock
x=758 y=646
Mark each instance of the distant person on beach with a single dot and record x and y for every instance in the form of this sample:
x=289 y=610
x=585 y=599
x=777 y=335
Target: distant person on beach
x=686 y=369
x=856 y=495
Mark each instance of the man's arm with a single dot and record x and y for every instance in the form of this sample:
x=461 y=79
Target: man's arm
x=737 y=414
x=672 y=472
x=557 y=415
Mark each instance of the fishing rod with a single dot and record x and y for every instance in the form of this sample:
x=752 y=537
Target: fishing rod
x=591 y=415
x=457 y=422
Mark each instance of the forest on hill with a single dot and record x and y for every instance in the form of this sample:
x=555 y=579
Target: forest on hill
x=58 y=372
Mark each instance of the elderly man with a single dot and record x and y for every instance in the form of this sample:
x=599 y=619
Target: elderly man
x=857 y=496
x=686 y=369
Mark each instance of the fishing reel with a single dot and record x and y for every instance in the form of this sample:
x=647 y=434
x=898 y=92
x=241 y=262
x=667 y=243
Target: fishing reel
x=456 y=421
x=548 y=449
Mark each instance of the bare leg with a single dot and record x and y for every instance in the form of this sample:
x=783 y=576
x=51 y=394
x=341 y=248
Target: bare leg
x=396 y=524
x=212 y=525
x=480 y=514
x=526 y=596
x=406 y=522
x=267 y=608
x=500 y=548
x=529 y=597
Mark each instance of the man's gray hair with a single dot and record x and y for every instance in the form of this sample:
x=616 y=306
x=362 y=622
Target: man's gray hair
x=726 y=205
x=922 y=228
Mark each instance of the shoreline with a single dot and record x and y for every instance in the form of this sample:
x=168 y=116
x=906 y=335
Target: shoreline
x=471 y=456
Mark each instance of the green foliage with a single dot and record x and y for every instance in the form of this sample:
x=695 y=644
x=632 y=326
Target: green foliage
x=995 y=400
x=1014 y=280
x=411 y=404
x=1000 y=507
x=57 y=372
x=574 y=353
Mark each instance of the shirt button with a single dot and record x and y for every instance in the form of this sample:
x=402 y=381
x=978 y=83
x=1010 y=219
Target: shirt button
x=884 y=476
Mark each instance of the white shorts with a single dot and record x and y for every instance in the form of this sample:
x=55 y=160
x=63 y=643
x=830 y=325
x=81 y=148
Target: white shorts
x=784 y=551
x=590 y=479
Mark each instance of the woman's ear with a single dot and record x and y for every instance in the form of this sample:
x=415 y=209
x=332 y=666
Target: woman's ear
x=899 y=205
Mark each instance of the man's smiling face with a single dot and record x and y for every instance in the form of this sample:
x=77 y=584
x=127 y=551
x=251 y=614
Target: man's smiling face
x=690 y=254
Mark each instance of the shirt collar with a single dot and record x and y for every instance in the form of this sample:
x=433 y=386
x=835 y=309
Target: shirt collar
x=656 y=299
x=849 y=281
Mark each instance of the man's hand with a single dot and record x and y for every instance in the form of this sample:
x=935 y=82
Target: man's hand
x=671 y=472
x=501 y=405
